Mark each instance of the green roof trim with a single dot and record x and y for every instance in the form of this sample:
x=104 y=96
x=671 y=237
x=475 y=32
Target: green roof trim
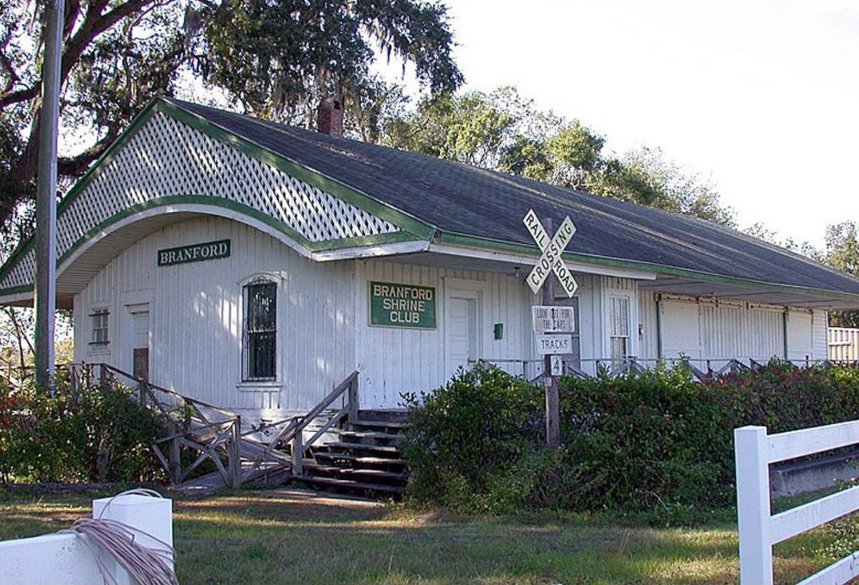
x=319 y=180
x=498 y=245
x=207 y=201
x=14 y=290
x=94 y=171
x=241 y=209
x=411 y=228
x=104 y=160
x=16 y=256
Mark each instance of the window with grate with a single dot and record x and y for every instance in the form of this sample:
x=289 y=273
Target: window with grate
x=619 y=329
x=99 y=327
x=260 y=335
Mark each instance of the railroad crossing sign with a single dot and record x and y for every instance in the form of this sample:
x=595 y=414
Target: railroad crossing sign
x=551 y=260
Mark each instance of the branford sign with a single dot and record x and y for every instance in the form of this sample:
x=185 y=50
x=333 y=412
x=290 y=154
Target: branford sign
x=194 y=253
x=402 y=305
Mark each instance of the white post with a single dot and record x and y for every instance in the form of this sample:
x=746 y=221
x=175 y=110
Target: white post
x=64 y=559
x=751 y=454
x=153 y=516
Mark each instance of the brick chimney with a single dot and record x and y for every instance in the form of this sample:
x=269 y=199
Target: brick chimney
x=329 y=116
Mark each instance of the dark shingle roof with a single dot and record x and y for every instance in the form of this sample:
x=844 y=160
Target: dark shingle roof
x=459 y=199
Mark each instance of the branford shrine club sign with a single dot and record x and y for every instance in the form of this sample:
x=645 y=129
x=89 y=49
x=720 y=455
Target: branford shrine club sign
x=194 y=253
x=402 y=305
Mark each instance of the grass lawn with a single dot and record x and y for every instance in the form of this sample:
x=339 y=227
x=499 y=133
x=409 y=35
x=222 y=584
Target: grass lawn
x=287 y=537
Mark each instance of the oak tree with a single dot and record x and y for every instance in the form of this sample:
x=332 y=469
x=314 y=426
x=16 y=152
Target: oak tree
x=271 y=58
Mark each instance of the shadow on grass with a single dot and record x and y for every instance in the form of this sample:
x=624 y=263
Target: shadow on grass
x=245 y=539
x=253 y=537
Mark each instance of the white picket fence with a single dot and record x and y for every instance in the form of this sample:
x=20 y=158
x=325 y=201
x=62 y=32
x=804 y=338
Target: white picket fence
x=62 y=559
x=754 y=451
x=843 y=344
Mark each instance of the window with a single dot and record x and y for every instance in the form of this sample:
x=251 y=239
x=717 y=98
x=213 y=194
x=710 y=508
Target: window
x=260 y=335
x=99 y=327
x=619 y=329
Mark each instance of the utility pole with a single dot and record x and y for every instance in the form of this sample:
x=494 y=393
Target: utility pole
x=553 y=407
x=46 y=194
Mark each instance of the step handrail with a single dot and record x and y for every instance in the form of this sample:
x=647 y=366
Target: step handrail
x=294 y=432
x=302 y=421
x=150 y=385
x=228 y=439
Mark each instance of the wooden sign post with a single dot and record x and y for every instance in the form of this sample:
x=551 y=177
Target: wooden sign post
x=551 y=262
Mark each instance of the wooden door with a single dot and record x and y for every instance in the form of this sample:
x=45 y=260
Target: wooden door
x=140 y=344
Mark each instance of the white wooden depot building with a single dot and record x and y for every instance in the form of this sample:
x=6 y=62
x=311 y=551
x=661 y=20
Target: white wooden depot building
x=254 y=266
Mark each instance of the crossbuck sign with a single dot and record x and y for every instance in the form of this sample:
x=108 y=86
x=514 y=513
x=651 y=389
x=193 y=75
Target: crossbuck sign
x=551 y=260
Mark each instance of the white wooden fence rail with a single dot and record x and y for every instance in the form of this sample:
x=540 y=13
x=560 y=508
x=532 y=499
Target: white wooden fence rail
x=843 y=344
x=61 y=559
x=759 y=530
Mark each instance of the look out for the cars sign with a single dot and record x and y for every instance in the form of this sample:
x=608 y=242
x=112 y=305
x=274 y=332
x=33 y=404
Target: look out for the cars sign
x=551 y=260
x=551 y=319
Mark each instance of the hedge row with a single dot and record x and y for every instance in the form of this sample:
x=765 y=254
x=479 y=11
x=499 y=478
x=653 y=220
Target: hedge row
x=98 y=433
x=657 y=439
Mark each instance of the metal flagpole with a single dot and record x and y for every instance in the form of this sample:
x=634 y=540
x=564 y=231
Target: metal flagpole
x=46 y=194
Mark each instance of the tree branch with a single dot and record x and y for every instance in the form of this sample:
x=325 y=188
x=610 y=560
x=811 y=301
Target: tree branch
x=76 y=166
x=93 y=25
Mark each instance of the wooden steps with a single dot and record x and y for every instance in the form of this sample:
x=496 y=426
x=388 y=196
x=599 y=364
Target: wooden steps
x=364 y=447
x=350 y=486
x=358 y=461
x=365 y=461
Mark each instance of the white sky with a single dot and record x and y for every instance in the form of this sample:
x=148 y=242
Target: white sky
x=760 y=96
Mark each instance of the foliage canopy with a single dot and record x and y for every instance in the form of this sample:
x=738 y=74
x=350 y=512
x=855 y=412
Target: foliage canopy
x=275 y=59
x=503 y=131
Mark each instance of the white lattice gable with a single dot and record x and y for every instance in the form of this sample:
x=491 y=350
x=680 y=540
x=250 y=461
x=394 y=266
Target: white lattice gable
x=167 y=162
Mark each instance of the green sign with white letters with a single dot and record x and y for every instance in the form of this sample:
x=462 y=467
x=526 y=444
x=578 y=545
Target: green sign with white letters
x=402 y=305
x=194 y=253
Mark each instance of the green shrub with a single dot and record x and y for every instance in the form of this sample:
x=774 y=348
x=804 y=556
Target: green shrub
x=644 y=440
x=657 y=440
x=98 y=433
x=465 y=442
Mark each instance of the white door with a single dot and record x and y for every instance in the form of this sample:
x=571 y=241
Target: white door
x=462 y=340
x=681 y=331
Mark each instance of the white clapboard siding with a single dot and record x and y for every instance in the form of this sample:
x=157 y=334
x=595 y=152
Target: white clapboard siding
x=718 y=331
x=397 y=360
x=589 y=318
x=196 y=314
x=737 y=330
x=819 y=335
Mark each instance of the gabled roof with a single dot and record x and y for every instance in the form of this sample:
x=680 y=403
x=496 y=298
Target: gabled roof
x=406 y=201
x=468 y=204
